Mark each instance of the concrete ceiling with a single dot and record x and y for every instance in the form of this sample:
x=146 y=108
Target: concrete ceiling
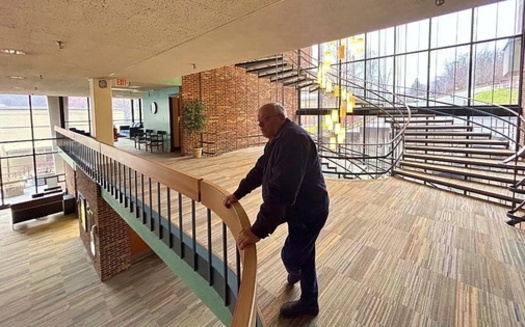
x=152 y=42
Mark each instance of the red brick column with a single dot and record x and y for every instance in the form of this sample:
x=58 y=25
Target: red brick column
x=111 y=234
x=70 y=175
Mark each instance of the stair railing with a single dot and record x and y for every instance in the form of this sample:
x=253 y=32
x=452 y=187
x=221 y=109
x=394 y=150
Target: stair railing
x=394 y=142
x=171 y=204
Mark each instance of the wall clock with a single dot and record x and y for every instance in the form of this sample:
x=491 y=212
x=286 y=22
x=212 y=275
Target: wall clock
x=154 y=107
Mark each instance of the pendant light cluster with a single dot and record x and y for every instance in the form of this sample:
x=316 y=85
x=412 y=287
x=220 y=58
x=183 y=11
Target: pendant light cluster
x=344 y=97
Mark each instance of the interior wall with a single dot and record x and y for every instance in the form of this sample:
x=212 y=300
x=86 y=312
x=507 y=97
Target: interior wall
x=159 y=121
x=232 y=97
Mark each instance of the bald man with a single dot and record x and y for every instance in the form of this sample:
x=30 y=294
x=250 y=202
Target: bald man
x=294 y=192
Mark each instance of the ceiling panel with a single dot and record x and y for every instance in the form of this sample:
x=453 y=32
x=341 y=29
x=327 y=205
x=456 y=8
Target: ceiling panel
x=156 y=40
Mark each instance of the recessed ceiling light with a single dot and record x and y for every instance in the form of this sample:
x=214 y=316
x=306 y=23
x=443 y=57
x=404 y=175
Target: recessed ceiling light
x=12 y=51
x=17 y=77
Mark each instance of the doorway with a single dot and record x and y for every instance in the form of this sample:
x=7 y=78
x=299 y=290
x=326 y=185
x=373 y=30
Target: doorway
x=175 y=128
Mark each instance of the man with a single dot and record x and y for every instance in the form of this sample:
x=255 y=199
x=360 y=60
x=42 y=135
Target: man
x=293 y=191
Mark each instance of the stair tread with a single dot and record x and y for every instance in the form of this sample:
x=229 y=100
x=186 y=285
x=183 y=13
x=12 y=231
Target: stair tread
x=445 y=133
x=397 y=114
x=478 y=188
x=451 y=127
x=420 y=121
x=478 y=173
x=488 y=151
x=472 y=161
x=457 y=141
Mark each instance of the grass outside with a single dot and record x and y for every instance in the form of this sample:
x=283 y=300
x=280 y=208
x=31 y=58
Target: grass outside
x=499 y=96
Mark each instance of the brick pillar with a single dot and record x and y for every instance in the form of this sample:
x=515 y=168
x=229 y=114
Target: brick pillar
x=70 y=173
x=111 y=235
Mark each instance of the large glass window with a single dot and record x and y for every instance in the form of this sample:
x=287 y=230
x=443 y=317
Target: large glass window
x=413 y=37
x=496 y=20
x=78 y=114
x=27 y=149
x=122 y=112
x=470 y=57
x=413 y=83
x=451 y=29
x=449 y=71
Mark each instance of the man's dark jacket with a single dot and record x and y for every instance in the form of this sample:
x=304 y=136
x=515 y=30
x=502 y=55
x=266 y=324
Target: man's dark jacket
x=292 y=183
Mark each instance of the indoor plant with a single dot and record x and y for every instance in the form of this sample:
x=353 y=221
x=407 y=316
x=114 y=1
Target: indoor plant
x=194 y=121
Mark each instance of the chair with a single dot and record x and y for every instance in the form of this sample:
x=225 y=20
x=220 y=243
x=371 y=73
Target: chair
x=140 y=138
x=156 y=140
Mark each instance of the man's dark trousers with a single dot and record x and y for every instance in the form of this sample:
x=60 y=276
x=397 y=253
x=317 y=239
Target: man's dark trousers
x=298 y=253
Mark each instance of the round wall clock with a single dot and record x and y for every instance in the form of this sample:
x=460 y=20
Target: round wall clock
x=102 y=84
x=154 y=107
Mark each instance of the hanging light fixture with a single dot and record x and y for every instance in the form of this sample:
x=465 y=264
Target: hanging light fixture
x=341 y=54
x=332 y=145
x=329 y=87
x=343 y=94
x=337 y=128
x=342 y=110
x=328 y=121
x=335 y=115
x=350 y=104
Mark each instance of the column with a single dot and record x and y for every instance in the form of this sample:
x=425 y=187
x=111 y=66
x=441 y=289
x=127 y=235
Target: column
x=102 y=118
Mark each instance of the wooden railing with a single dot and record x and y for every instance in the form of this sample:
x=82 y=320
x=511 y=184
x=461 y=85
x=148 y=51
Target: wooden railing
x=124 y=175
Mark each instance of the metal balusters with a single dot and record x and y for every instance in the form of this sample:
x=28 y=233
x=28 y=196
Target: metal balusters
x=119 y=183
x=151 y=222
x=112 y=167
x=180 y=227
x=168 y=196
x=143 y=211
x=210 y=266
x=159 y=213
x=99 y=168
x=194 y=234
x=130 y=191
x=124 y=188
x=104 y=173
x=225 y=263
x=137 y=211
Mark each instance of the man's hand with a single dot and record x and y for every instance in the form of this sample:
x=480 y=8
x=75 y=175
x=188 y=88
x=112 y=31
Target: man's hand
x=229 y=200
x=246 y=237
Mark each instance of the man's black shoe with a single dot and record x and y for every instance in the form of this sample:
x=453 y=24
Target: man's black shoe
x=296 y=309
x=293 y=279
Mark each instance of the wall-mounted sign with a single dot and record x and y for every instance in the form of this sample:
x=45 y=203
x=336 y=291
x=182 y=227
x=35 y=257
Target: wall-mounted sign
x=121 y=82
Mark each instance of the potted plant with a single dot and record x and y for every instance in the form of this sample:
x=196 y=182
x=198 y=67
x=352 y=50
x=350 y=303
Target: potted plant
x=194 y=121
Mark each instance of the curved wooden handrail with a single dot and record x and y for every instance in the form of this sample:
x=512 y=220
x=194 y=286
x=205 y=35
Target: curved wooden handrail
x=211 y=196
x=179 y=181
x=175 y=179
x=236 y=219
x=86 y=140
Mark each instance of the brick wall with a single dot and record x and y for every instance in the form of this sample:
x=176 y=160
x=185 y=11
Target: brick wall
x=112 y=236
x=232 y=98
x=70 y=175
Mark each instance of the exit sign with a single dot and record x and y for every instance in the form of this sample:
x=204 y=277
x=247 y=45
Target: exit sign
x=121 y=82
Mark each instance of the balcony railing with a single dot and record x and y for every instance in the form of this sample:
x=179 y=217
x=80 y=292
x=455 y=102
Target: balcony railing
x=178 y=209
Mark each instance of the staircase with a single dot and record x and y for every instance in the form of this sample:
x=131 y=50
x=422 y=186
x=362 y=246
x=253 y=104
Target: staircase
x=278 y=69
x=443 y=152
x=439 y=150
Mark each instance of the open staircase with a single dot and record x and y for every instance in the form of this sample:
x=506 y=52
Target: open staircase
x=448 y=152
x=443 y=153
x=279 y=69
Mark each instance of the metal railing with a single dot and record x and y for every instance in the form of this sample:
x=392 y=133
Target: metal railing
x=179 y=209
x=364 y=159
